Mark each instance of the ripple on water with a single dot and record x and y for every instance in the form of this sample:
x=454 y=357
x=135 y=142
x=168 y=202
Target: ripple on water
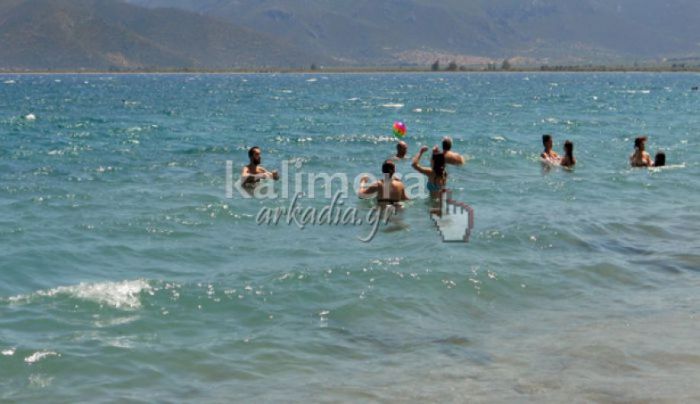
x=574 y=283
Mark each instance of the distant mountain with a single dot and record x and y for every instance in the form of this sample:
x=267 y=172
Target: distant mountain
x=355 y=32
x=105 y=34
x=124 y=34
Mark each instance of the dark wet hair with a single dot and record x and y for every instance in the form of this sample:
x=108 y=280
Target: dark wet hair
x=439 y=164
x=569 y=148
x=639 y=140
x=546 y=138
x=251 y=151
x=660 y=159
x=446 y=144
x=388 y=167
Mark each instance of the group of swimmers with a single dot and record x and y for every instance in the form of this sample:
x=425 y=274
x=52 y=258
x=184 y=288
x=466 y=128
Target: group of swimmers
x=640 y=158
x=549 y=156
x=390 y=190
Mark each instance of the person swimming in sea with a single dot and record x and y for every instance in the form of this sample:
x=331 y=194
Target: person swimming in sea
x=640 y=158
x=436 y=173
x=660 y=159
x=401 y=150
x=254 y=172
x=389 y=190
x=451 y=157
x=549 y=155
x=568 y=160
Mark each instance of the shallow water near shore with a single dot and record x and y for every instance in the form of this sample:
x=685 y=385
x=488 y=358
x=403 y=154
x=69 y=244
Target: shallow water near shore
x=126 y=272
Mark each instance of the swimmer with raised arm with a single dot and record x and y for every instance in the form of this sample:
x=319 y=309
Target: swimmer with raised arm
x=451 y=157
x=436 y=173
x=254 y=172
x=389 y=190
x=549 y=155
x=640 y=158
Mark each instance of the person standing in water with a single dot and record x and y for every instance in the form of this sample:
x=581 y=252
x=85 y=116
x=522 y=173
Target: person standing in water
x=568 y=160
x=549 y=155
x=401 y=150
x=389 y=191
x=640 y=158
x=451 y=157
x=254 y=172
x=660 y=159
x=437 y=176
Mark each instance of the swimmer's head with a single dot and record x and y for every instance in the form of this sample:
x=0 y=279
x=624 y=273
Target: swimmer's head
x=446 y=143
x=569 y=148
x=660 y=159
x=547 y=141
x=254 y=155
x=438 y=163
x=639 y=142
x=388 y=168
x=401 y=149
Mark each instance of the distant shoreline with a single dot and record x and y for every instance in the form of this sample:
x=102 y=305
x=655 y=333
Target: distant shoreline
x=351 y=70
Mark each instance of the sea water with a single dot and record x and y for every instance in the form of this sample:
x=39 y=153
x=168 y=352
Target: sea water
x=127 y=273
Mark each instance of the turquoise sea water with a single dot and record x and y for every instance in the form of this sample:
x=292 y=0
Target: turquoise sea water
x=127 y=274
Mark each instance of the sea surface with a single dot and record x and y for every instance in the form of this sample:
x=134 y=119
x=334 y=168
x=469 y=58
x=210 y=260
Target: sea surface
x=127 y=274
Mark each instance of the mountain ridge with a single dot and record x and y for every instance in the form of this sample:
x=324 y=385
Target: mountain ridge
x=379 y=31
x=252 y=34
x=110 y=34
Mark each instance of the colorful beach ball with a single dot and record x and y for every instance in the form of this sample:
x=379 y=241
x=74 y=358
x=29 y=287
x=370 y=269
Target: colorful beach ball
x=399 y=129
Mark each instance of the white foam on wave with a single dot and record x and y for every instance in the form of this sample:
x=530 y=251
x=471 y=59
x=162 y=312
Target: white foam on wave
x=364 y=138
x=39 y=355
x=30 y=117
x=392 y=105
x=9 y=352
x=311 y=80
x=9 y=82
x=121 y=295
x=667 y=167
